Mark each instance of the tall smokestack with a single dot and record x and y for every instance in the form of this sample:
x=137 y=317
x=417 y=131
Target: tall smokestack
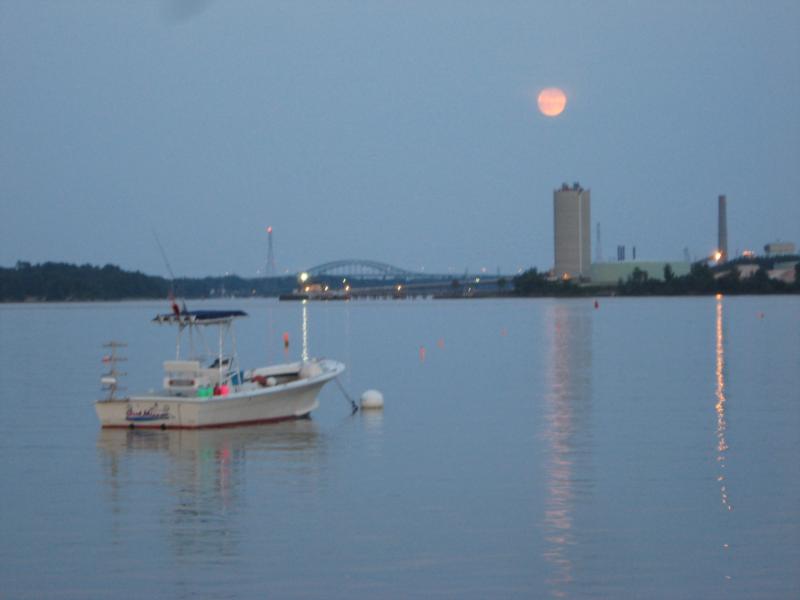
x=722 y=244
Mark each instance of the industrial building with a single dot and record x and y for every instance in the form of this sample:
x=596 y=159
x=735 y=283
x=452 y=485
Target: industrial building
x=572 y=227
x=780 y=248
x=572 y=236
x=609 y=273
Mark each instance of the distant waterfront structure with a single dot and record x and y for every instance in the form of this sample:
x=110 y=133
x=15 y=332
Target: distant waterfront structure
x=780 y=248
x=609 y=273
x=572 y=231
x=722 y=228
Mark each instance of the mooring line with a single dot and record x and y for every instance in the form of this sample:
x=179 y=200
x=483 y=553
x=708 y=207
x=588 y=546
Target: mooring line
x=346 y=395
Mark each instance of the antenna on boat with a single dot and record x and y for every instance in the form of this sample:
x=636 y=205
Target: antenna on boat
x=164 y=256
x=175 y=308
x=110 y=380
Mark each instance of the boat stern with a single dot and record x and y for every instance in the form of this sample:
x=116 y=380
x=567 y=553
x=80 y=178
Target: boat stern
x=136 y=413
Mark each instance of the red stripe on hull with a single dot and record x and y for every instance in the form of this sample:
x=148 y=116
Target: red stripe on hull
x=214 y=426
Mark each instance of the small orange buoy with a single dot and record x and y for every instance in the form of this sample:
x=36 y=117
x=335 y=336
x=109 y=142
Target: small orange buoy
x=422 y=354
x=285 y=339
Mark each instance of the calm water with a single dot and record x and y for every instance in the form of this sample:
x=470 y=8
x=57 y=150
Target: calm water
x=531 y=448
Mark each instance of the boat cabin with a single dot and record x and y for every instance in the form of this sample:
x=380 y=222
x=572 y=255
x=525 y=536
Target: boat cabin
x=188 y=377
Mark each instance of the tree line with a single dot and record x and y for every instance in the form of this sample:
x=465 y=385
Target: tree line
x=701 y=279
x=55 y=281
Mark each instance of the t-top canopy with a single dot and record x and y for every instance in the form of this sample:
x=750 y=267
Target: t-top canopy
x=199 y=317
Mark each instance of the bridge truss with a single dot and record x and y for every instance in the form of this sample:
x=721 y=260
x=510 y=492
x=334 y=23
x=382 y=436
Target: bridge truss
x=355 y=269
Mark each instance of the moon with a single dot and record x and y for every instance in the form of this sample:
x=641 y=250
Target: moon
x=552 y=101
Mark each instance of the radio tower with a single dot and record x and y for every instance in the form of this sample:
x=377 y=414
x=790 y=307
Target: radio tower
x=598 y=249
x=270 y=254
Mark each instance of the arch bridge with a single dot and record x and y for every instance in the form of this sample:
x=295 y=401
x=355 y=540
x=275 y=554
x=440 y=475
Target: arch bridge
x=370 y=278
x=354 y=268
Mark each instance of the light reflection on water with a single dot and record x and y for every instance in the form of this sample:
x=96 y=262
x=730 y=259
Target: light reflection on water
x=722 y=425
x=304 y=355
x=373 y=429
x=567 y=431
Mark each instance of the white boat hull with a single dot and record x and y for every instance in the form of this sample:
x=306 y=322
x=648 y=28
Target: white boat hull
x=250 y=405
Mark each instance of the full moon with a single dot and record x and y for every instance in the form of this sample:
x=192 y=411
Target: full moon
x=552 y=102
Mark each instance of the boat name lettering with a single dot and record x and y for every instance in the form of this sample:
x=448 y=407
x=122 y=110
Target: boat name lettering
x=152 y=413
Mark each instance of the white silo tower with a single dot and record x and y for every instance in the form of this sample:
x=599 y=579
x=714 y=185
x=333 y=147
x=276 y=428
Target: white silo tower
x=572 y=231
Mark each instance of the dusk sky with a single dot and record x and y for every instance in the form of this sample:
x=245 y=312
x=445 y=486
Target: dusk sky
x=405 y=132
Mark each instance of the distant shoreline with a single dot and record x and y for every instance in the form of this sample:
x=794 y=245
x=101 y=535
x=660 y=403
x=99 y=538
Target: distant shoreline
x=586 y=296
x=62 y=282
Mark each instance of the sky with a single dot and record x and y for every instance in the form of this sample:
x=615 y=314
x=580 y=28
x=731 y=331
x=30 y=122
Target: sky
x=403 y=132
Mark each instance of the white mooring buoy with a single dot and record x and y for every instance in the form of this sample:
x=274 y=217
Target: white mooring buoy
x=371 y=399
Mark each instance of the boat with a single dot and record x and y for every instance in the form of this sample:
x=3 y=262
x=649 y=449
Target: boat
x=198 y=394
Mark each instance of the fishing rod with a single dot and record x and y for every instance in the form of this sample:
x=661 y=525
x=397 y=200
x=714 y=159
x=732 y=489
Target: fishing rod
x=175 y=308
x=164 y=256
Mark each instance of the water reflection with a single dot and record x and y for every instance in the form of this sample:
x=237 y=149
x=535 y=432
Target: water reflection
x=568 y=435
x=722 y=425
x=373 y=428
x=305 y=331
x=195 y=480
